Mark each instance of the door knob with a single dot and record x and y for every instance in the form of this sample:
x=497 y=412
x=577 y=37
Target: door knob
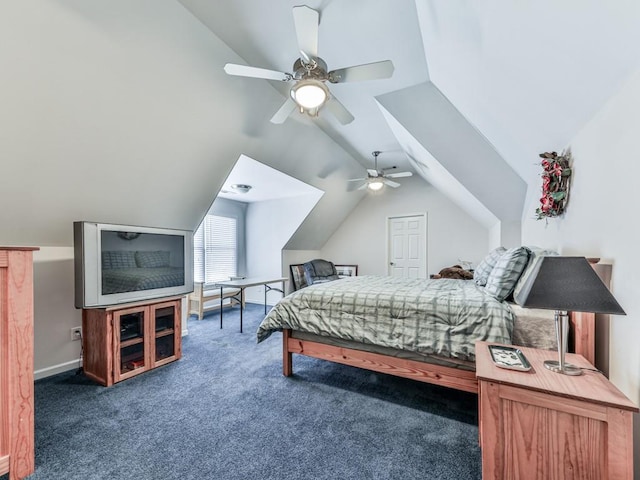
x=391 y=263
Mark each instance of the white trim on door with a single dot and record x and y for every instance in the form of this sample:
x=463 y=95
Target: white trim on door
x=423 y=247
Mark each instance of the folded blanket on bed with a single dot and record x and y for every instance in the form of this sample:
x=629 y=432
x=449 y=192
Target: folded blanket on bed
x=442 y=317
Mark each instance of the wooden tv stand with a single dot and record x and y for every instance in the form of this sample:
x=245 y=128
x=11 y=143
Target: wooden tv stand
x=123 y=341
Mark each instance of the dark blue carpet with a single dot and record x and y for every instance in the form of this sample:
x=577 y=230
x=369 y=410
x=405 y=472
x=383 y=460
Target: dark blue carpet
x=226 y=412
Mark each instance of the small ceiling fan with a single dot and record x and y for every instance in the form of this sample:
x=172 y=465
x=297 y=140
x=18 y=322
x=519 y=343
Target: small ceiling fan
x=310 y=93
x=376 y=179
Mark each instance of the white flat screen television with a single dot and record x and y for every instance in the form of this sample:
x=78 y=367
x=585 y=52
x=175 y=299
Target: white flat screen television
x=116 y=264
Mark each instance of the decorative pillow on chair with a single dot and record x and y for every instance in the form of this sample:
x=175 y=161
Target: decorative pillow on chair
x=118 y=259
x=151 y=259
x=504 y=276
x=482 y=271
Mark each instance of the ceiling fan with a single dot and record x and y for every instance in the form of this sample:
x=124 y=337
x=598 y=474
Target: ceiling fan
x=310 y=93
x=376 y=179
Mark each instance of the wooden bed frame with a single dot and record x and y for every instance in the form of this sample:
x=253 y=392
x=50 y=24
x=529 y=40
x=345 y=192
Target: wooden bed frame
x=582 y=341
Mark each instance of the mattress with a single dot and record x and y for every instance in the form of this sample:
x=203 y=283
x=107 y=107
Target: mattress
x=532 y=328
x=118 y=280
x=431 y=317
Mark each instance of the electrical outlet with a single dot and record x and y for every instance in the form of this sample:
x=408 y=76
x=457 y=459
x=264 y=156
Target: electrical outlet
x=76 y=333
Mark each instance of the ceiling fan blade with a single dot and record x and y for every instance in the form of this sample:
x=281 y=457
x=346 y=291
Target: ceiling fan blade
x=372 y=172
x=367 y=71
x=363 y=186
x=398 y=175
x=306 y=21
x=339 y=111
x=255 y=72
x=284 y=111
x=356 y=179
x=391 y=183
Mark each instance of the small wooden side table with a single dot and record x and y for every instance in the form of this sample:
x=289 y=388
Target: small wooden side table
x=540 y=424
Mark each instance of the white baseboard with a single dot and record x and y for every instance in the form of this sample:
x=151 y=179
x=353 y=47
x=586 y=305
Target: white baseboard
x=55 y=369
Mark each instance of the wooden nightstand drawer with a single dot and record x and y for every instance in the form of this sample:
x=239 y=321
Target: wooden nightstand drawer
x=540 y=424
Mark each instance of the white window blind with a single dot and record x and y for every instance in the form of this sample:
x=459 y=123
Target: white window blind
x=215 y=249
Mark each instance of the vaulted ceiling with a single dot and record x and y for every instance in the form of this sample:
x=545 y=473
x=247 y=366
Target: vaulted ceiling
x=121 y=112
x=479 y=89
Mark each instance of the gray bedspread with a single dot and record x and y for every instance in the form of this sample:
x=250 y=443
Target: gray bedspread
x=437 y=317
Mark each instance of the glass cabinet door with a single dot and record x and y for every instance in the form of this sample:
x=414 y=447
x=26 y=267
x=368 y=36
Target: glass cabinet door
x=130 y=327
x=145 y=337
x=165 y=332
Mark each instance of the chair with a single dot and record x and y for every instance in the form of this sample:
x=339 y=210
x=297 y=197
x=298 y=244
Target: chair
x=320 y=271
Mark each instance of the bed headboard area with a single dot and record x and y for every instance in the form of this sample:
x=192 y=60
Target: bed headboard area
x=582 y=335
x=535 y=328
x=435 y=310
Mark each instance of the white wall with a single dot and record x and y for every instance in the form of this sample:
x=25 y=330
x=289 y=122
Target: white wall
x=293 y=257
x=601 y=221
x=459 y=147
x=510 y=234
x=121 y=112
x=452 y=235
x=54 y=312
x=269 y=226
x=495 y=237
x=505 y=234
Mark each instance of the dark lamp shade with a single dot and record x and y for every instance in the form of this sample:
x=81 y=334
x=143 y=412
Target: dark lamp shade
x=567 y=283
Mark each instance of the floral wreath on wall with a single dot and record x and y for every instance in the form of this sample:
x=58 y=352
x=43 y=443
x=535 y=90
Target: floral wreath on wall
x=556 y=173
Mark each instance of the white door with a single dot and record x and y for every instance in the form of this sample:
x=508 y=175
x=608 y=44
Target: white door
x=407 y=246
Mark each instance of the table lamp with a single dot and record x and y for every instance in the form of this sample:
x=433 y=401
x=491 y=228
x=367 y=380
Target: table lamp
x=566 y=284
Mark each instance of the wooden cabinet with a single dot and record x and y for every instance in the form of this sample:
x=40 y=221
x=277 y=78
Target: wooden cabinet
x=122 y=341
x=16 y=362
x=540 y=424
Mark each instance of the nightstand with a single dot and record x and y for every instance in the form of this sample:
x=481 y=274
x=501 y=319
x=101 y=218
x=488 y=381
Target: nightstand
x=540 y=424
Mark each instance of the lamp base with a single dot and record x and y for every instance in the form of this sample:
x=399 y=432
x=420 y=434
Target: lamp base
x=568 y=369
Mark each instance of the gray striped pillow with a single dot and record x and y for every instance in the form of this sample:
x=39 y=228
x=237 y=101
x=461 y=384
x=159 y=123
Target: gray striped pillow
x=504 y=276
x=118 y=259
x=482 y=271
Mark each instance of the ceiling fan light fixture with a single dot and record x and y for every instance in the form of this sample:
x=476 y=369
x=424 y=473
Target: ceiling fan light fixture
x=375 y=184
x=241 y=187
x=309 y=93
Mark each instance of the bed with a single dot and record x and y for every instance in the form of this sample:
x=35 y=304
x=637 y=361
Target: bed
x=127 y=271
x=420 y=329
x=119 y=280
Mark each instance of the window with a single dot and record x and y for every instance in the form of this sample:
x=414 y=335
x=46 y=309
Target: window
x=215 y=249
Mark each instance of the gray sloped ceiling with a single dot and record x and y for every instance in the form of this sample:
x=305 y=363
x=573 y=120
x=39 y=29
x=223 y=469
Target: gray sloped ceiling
x=529 y=75
x=121 y=112
x=459 y=147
